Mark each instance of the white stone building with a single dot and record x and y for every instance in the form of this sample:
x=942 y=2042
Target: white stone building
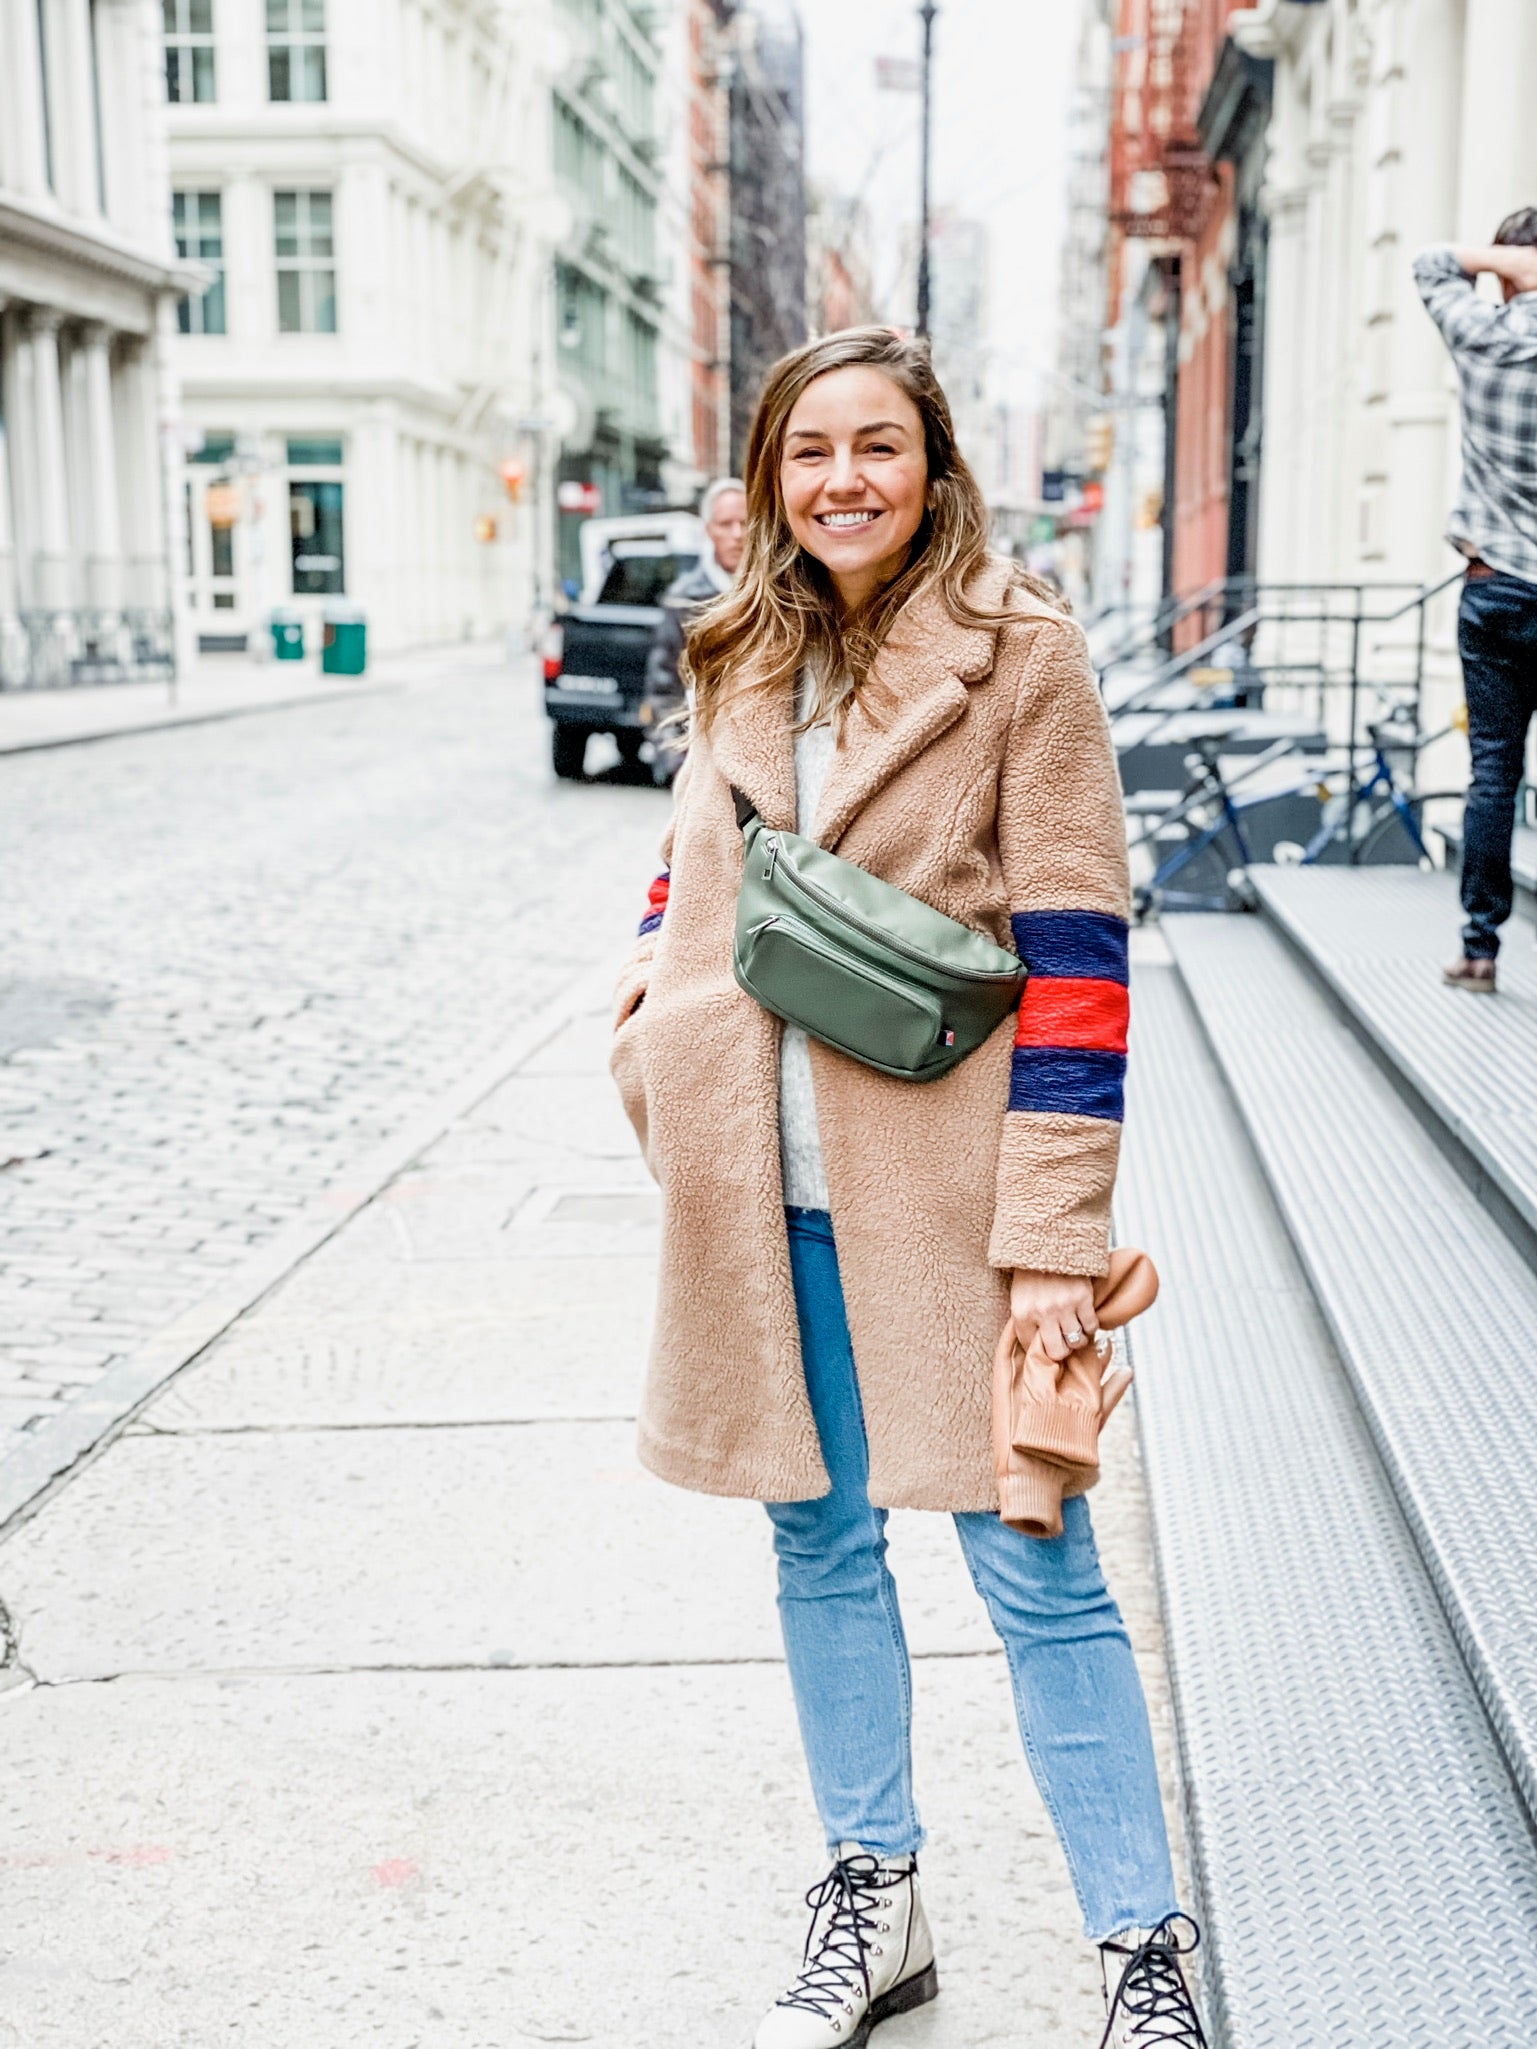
x=88 y=279
x=370 y=371
x=1396 y=123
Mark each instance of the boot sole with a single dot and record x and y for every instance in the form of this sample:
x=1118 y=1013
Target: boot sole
x=912 y=1992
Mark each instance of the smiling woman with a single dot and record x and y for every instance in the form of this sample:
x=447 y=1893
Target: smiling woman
x=857 y=497
x=887 y=710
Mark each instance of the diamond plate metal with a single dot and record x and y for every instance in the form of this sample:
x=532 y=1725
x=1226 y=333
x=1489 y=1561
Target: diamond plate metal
x=1368 y=1874
x=1431 y=1306
x=1378 y=937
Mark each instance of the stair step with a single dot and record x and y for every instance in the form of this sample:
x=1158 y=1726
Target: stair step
x=1431 y=1307
x=1523 y=858
x=1378 y=938
x=1366 y=1870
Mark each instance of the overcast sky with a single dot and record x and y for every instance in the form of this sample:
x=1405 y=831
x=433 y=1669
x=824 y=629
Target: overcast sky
x=1002 y=76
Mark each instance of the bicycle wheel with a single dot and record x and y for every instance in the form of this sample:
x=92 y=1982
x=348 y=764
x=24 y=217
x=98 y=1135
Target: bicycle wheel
x=1387 y=842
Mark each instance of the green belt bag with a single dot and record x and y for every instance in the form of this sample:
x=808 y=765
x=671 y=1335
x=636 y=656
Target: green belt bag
x=862 y=965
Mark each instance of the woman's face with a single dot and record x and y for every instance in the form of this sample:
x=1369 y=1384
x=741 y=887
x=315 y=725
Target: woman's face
x=853 y=475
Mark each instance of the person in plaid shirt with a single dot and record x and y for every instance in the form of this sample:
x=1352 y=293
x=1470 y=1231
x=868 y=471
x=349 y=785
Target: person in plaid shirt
x=1494 y=523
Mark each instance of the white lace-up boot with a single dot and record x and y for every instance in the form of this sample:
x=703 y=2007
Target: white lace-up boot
x=1147 y=1998
x=869 y=1955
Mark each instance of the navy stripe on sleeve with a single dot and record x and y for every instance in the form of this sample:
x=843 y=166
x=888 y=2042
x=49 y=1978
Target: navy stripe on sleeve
x=1072 y=943
x=1074 y=1081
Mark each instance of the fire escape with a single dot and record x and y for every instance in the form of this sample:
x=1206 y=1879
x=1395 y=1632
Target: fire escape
x=1161 y=183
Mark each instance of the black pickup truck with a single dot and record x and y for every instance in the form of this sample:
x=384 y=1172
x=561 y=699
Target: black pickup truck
x=595 y=655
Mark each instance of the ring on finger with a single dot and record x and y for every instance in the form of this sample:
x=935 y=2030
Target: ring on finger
x=1073 y=1337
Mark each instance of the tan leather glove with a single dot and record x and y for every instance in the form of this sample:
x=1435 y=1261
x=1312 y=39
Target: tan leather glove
x=1047 y=1415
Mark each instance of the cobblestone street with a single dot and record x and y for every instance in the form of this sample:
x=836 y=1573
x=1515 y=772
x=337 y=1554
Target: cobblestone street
x=235 y=956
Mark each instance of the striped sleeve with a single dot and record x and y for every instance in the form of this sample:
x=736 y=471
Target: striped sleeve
x=656 y=904
x=1062 y=849
x=1070 y=1041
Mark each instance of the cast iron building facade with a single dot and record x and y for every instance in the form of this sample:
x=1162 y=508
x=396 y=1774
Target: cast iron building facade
x=768 y=202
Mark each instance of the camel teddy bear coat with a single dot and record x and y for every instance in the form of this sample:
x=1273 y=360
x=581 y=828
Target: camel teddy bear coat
x=979 y=775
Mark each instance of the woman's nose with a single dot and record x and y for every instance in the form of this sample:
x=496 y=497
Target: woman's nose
x=845 y=476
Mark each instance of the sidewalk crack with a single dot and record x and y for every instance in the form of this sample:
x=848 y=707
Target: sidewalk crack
x=14 y=1671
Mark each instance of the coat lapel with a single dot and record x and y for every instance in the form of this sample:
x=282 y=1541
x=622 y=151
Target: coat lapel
x=754 y=750
x=917 y=691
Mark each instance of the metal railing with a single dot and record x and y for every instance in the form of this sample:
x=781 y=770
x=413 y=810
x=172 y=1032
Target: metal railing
x=1311 y=639
x=1329 y=651
x=56 y=649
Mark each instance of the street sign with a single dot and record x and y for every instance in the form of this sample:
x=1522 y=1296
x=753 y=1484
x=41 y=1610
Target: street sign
x=898 y=74
x=583 y=498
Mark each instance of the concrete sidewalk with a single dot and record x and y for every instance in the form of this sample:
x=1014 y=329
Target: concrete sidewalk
x=367 y=1690
x=215 y=687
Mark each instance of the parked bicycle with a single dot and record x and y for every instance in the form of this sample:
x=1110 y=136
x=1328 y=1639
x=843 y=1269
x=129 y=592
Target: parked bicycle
x=1370 y=814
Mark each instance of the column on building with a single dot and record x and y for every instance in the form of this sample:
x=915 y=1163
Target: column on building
x=1341 y=314
x=373 y=515
x=1285 y=202
x=12 y=641
x=1424 y=86
x=72 y=94
x=141 y=488
x=1497 y=169
x=23 y=136
x=48 y=587
x=101 y=527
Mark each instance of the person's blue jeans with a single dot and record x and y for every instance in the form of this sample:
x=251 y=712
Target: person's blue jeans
x=1079 y=1700
x=1497 y=639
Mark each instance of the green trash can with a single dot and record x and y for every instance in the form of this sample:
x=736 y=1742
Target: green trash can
x=344 y=649
x=287 y=636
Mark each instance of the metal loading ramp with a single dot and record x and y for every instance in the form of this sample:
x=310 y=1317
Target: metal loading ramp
x=1366 y=1868
x=1375 y=938
x=1432 y=1308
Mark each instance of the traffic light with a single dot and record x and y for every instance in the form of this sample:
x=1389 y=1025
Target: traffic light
x=1099 y=444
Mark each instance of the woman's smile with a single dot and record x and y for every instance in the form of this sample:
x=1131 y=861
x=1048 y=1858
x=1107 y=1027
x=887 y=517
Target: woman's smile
x=853 y=474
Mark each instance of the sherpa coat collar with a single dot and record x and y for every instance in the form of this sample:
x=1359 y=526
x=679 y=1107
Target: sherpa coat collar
x=984 y=782
x=919 y=688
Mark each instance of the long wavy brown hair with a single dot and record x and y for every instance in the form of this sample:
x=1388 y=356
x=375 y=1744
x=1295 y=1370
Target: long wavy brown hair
x=782 y=614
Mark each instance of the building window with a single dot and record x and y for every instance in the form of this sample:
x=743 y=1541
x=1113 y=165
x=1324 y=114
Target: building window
x=296 y=49
x=198 y=221
x=306 y=262
x=218 y=447
x=189 y=73
x=315 y=521
x=310 y=455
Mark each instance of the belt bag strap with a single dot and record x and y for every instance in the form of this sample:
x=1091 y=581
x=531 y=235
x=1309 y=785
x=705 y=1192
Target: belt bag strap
x=860 y=964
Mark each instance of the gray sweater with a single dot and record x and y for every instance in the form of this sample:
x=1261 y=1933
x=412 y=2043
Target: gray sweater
x=800 y=1143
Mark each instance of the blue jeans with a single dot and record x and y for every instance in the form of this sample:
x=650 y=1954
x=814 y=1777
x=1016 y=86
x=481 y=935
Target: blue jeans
x=1497 y=639
x=1076 y=1691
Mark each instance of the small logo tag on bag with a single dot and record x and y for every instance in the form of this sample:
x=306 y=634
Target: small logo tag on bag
x=949 y=1038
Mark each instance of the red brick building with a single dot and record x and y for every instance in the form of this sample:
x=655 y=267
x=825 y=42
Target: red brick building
x=709 y=237
x=1188 y=117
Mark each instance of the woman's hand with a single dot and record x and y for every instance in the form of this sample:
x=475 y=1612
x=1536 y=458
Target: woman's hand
x=1060 y=1306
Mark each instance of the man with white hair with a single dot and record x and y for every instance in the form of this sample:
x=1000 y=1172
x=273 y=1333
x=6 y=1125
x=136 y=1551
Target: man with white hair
x=724 y=512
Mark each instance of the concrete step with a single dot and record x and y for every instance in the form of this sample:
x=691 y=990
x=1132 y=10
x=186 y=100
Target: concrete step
x=1377 y=939
x=1366 y=1870
x=1431 y=1306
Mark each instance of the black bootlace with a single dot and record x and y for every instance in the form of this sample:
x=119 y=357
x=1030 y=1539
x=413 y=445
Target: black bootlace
x=851 y=1889
x=1152 y=1989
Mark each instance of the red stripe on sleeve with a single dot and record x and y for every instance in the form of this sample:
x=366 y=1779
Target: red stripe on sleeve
x=1064 y=1010
x=656 y=896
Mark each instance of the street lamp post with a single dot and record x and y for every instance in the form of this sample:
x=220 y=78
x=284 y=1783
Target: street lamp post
x=926 y=14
